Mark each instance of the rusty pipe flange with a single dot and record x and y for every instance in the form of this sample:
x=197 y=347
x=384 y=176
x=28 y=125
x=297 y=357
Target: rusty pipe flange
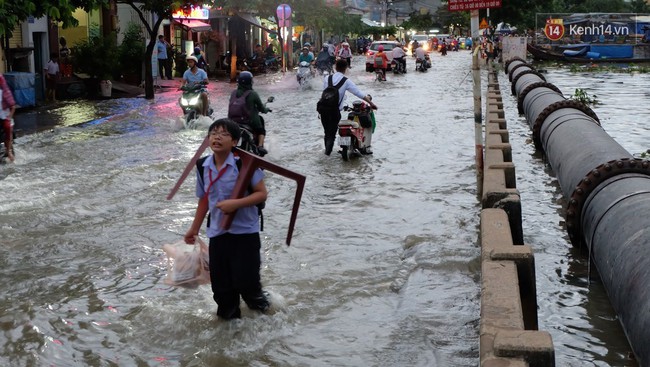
x=522 y=95
x=516 y=58
x=517 y=67
x=590 y=182
x=567 y=103
x=530 y=71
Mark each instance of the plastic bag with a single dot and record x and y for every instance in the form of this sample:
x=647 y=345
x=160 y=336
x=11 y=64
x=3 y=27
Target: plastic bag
x=187 y=265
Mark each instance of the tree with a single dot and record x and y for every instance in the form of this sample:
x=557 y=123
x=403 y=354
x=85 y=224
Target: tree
x=419 y=22
x=12 y=13
x=161 y=9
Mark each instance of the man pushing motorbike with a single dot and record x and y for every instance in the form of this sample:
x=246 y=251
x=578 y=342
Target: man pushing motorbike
x=330 y=115
x=195 y=75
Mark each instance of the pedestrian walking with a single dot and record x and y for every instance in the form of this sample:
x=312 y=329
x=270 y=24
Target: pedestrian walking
x=234 y=253
x=331 y=115
x=51 y=76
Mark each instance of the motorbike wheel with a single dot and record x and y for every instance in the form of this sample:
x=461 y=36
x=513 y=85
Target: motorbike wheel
x=346 y=153
x=190 y=116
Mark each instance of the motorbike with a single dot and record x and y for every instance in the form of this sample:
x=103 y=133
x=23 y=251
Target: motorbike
x=324 y=67
x=380 y=74
x=190 y=101
x=351 y=131
x=304 y=73
x=420 y=65
x=398 y=67
x=249 y=140
x=3 y=152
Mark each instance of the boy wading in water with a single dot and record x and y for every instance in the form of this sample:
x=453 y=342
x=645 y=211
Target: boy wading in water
x=234 y=253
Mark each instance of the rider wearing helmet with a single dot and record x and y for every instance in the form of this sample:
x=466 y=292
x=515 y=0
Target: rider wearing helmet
x=201 y=62
x=345 y=53
x=194 y=75
x=254 y=106
x=381 y=61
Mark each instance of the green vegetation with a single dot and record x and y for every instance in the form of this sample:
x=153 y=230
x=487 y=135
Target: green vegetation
x=96 y=56
x=131 y=52
x=581 y=95
x=611 y=68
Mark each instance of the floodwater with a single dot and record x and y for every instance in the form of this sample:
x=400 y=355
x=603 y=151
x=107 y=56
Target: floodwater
x=383 y=269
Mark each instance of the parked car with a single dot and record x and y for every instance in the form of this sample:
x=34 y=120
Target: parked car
x=372 y=50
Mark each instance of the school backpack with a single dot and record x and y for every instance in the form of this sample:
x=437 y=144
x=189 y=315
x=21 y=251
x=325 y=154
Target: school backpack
x=329 y=100
x=260 y=206
x=237 y=109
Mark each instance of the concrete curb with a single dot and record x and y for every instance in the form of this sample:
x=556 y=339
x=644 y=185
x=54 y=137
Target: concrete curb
x=508 y=327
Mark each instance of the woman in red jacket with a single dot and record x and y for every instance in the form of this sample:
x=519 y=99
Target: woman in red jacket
x=381 y=61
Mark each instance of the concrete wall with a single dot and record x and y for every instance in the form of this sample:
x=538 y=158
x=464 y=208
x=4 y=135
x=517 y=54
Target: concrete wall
x=509 y=335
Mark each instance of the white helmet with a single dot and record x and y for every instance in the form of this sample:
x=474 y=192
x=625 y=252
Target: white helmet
x=193 y=58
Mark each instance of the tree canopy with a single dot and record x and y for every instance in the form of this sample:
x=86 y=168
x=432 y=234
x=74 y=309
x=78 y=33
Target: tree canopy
x=12 y=13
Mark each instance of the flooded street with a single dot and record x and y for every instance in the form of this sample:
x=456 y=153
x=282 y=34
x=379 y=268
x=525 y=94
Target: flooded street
x=383 y=269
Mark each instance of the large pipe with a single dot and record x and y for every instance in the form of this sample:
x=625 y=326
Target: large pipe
x=617 y=234
x=608 y=197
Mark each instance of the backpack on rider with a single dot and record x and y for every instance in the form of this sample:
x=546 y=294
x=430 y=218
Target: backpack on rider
x=329 y=100
x=237 y=108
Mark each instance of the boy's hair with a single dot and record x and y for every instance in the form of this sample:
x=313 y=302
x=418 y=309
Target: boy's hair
x=54 y=55
x=231 y=126
x=341 y=65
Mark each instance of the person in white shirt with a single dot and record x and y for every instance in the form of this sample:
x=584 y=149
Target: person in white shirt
x=51 y=75
x=420 y=53
x=330 y=119
x=399 y=55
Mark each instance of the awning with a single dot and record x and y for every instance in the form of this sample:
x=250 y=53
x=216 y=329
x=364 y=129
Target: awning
x=369 y=22
x=194 y=25
x=248 y=18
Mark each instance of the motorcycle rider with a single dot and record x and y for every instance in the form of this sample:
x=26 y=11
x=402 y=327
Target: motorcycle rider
x=254 y=106
x=201 y=62
x=194 y=75
x=400 y=56
x=323 y=62
x=420 y=55
x=381 y=61
x=305 y=55
x=330 y=119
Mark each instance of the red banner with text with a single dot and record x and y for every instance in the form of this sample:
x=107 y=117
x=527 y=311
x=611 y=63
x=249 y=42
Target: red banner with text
x=465 y=5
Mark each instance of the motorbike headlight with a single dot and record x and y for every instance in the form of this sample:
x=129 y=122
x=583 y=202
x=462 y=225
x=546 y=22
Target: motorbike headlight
x=194 y=100
x=184 y=102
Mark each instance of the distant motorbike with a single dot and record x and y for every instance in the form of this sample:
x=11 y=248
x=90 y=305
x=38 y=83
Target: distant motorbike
x=398 y=67
x=249 y=140
x=304 y=73
x=191 y=103
x=380 y=74
x=351 y=131
x=3 y=151
x=420 y=65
